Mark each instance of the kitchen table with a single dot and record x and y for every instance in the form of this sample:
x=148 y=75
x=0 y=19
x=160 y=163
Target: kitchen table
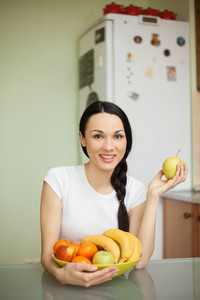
x=162 y=279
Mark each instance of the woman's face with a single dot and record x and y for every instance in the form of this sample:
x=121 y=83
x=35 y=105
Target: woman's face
x=105 y=140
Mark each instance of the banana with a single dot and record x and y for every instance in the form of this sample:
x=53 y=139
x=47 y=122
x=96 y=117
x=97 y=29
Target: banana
x=123 y=240
x=136 y=247
x=106 y=243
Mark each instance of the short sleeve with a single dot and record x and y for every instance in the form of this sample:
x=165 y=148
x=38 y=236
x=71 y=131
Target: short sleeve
x=54 y=178
x=135 y=193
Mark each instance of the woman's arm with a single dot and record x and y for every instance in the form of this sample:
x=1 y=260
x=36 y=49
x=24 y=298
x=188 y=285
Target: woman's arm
x=143 y=217
x=72 y=273
x=50 y=219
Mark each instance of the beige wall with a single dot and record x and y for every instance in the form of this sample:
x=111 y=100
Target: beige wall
x=38 y=101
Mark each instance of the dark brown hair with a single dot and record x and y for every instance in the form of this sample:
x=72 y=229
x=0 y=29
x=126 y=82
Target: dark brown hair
x=118 y=178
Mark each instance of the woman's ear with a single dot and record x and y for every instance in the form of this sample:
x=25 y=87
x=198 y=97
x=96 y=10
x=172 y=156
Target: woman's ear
x=82 y=139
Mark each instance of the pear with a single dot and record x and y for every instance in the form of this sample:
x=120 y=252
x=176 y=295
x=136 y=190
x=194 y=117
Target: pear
x=169 y=166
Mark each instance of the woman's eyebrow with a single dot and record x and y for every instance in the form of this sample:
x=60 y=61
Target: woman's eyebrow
x=97 y=130
x=119 y=130
x=101 y=131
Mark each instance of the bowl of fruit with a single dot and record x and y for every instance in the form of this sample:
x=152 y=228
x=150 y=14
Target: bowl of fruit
x=113 y=247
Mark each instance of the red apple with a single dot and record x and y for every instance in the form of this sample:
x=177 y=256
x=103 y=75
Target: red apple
x=66 y=253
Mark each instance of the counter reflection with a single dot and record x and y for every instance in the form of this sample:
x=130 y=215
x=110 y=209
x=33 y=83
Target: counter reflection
x=138 y=284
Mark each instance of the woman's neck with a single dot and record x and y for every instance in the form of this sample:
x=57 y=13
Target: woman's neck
x=99 y=180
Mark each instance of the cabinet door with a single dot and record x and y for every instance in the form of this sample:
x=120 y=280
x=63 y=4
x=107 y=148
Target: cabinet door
x=179 y=239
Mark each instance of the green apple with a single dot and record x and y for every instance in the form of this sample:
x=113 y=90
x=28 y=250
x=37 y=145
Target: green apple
x=103 y=258
x=169 y=166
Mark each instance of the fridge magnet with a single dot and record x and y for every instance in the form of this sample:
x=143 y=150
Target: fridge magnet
x=99 y=35
x=155 y=41
x=171 y=73
x=133 y=95
x=129 y=75
x=149 y=72
x=137 y=39
x=167 y=52
x=181 y=41
x=131 y=57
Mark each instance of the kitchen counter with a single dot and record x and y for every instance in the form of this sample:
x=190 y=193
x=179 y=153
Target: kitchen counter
x=184 y=195
x=161 y=279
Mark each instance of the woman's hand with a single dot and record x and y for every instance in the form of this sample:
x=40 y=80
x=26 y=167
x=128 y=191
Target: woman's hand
x=146 y=233
x=158 y=187
x=85 y=274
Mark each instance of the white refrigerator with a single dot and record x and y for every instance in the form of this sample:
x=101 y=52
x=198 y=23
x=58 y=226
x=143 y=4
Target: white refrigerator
x=141 y=63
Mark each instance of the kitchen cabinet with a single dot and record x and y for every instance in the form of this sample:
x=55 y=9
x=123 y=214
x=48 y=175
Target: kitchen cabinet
x=181 y=228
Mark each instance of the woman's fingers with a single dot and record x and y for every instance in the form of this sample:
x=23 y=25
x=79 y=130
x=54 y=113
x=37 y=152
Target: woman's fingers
x=181 y=174
x=160 y=174
x=82 y=267
x=87 y=275
x=100 y=276
x=185 y=172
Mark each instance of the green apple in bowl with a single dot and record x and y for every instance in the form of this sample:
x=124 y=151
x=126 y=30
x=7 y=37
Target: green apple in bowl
x=169 y=166
x=103 y=258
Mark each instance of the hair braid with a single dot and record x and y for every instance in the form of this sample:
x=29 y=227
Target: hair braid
x=118 y=178
x=118 y=181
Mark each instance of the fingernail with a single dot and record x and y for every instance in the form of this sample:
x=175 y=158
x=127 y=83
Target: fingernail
x=94 y=267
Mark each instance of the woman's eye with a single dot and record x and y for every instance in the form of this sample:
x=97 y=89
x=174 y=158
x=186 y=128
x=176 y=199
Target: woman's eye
x=97 y=136
x=118 y=137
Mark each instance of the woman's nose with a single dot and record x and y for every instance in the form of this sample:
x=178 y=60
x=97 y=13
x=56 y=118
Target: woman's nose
x=108 y=144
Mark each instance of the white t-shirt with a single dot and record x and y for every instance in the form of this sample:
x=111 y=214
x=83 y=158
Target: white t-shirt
x=84 y=211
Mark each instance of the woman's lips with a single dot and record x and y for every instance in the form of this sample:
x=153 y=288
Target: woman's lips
x=107 y=158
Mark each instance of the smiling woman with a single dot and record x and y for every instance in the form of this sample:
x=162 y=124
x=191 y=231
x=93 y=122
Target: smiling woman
x=85 y=200
x=106 y=138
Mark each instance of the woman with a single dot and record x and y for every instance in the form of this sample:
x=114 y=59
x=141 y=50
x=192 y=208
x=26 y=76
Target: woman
x=79 y=201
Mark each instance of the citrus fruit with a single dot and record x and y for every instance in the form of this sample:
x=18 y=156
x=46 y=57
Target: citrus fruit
x=81 y=259
x=87 y=250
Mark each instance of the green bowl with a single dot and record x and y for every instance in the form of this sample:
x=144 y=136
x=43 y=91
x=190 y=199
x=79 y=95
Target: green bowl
x=123 y=268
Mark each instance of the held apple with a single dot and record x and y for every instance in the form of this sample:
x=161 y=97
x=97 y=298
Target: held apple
x=103 y=258
x=169 y=166
x=65 y=253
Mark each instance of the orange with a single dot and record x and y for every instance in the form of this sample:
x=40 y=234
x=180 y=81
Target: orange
x=88 y=250
x=59 y=243
x=81 y=259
